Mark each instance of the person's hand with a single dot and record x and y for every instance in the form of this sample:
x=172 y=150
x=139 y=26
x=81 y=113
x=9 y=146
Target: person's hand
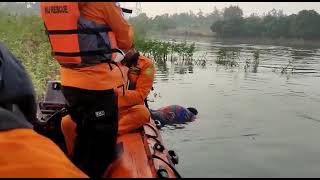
x=133 y=59
x=129 y=53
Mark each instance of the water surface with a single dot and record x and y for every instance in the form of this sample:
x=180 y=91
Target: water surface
x=261 y=123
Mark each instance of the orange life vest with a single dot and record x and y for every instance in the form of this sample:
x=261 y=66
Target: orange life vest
x=76 y=41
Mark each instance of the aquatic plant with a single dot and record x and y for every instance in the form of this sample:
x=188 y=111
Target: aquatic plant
x=164 y=50
x=227 y=57
x=255 y=62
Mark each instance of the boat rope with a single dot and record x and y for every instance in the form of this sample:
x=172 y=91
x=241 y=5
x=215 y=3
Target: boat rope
x=155 y=131
x=172 y=168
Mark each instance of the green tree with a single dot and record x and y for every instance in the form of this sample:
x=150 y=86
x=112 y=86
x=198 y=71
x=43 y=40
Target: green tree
x=141 y=24
x=232 y=23
x=214 y=16
x=232 y=12
x=218 y=27
x=252 y=26
x=163 y=23
x=308 y=24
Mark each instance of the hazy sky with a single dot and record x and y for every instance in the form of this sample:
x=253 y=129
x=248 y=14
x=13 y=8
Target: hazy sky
x=157 y=8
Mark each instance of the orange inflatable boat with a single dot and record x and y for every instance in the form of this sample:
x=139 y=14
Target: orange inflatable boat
x=141 y=154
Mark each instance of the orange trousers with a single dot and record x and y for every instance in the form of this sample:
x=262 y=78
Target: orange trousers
x=130 y=119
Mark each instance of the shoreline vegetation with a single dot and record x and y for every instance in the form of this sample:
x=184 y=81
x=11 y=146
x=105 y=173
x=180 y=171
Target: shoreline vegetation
x=275 y=24
x=273 y=27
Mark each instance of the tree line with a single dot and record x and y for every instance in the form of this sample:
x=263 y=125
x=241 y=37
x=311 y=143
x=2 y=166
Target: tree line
x=230 y=22
x=186 y=20
x=275 y=24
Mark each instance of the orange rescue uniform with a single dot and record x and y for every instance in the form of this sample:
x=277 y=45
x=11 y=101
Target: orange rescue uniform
x=26 y=154
x=132 y=112
x=100 y=77
x=143 y=84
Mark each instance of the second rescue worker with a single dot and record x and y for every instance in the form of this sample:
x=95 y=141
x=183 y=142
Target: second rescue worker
x=85 y=38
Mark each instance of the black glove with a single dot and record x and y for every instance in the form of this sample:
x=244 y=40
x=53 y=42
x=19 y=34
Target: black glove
x=133 y=60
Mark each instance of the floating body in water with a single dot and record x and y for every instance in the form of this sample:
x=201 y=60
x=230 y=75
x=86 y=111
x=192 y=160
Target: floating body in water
x=174 y=114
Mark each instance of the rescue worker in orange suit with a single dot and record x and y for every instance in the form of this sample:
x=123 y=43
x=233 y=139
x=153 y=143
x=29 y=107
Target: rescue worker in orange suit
x=23 y=152
x=86 y=39
x=133 y=112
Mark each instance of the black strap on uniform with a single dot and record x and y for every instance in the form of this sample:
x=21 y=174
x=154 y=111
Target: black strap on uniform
x=79 y=31
x=84 y=53
x=84 y=62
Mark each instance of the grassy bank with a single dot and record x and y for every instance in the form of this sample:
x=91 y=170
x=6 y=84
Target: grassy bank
x=25 y=38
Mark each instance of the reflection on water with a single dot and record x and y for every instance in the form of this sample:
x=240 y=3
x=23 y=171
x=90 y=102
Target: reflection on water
x=174 y=127
x=252 y=123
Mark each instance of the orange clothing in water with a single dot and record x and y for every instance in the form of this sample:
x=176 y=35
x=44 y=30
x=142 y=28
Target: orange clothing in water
x=26 y=154
x=100 y=77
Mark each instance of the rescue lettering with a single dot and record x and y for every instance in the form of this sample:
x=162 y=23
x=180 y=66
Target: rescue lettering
x=56 y=9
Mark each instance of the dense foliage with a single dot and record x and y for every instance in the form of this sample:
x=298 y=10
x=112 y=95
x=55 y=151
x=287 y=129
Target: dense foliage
x=25 y=37
x=186 y=21
x=304 y=25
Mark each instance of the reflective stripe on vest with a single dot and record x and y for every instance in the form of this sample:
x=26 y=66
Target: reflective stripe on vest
x=75 y=41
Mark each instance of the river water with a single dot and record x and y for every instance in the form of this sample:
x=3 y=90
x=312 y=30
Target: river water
x=263 y=123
